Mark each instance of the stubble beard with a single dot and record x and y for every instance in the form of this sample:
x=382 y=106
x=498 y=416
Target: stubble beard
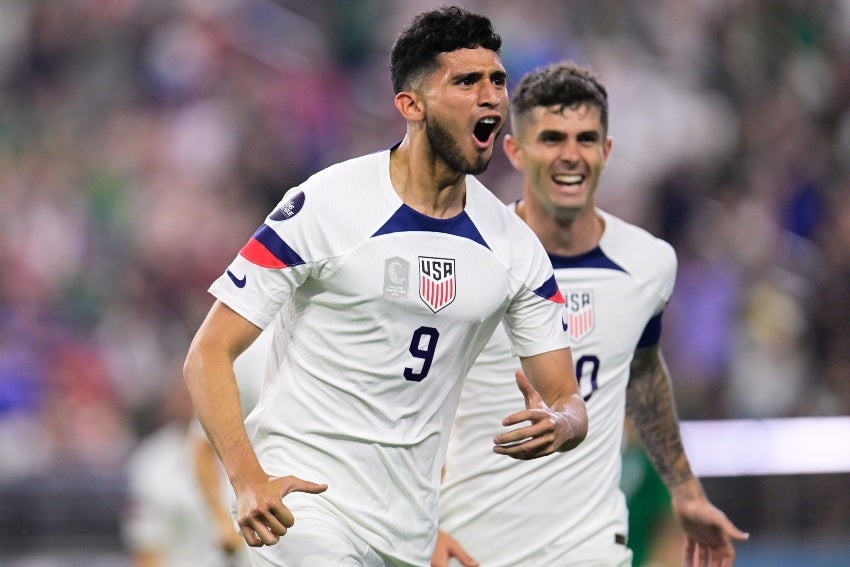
x=449 y=150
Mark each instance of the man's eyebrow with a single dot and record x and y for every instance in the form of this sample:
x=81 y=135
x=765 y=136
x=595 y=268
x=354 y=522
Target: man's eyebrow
x=584 y=134
x=468 y=75
x=478 y=75
x=594 y=134
x=551 y=134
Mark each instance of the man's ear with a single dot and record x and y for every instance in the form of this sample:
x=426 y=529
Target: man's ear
x=606 y=150
x=409 y=106
x=512 y=150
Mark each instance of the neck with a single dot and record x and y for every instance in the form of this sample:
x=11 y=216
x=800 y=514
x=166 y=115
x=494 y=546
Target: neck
x=567 y=236
x=425 y=183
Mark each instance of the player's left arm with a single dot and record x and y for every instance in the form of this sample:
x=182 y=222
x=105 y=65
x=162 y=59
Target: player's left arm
x=651 y=409
x=553 y=406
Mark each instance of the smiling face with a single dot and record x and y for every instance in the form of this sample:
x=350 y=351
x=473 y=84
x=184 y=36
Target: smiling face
x=562 y=152
x=465 y=104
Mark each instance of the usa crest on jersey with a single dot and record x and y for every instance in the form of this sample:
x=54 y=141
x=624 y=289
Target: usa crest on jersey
x=579 y=305
x=437 y=285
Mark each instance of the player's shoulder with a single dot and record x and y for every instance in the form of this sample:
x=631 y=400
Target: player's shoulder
x=346 y=177
x=493 y=216
x=366 y=162
x=348 y=193
x=635 y=246
x=509 y=238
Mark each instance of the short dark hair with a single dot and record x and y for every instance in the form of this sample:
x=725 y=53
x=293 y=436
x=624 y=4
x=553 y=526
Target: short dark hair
x=561 y=85
x=434 y=32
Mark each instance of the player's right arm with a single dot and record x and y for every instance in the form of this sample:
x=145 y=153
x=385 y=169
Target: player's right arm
x=209 y=376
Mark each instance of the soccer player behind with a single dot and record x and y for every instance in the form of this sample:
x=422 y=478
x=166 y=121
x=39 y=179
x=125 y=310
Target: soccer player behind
x=616 y=279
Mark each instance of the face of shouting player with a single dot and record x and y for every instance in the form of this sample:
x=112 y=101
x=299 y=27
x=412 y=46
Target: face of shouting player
x=466 y=101
x=562 y=152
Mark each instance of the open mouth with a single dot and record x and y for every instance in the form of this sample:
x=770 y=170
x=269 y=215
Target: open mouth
x=484 y=128
x=568 y=179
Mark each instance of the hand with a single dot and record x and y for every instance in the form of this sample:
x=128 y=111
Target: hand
x=709 y=534
x=260 y=512
x=448 y=547
x=548 y=432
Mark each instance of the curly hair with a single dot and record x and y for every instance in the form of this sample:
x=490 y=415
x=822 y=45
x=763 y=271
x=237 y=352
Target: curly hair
x=561 y=85
x=434 y=32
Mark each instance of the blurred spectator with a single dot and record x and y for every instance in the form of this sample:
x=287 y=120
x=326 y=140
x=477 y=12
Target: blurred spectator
x=166 y=523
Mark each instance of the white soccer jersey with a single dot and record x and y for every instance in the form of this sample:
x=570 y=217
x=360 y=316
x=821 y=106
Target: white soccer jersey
x=379 y=313
x=614 y=295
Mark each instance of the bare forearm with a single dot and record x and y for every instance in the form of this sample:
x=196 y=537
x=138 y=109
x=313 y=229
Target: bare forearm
x=651 y=408
x=215 y=395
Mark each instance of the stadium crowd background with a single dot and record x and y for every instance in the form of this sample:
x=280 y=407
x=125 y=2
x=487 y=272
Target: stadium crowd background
x=142 y=142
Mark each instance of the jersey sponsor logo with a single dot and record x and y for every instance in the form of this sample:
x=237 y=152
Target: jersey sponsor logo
x=289 y=208
x=580 y=318
x=238 y=282
x=396 y=278
x=437 y=285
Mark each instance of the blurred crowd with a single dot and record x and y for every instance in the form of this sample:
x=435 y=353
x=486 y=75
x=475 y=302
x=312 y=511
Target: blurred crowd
x=142 y=142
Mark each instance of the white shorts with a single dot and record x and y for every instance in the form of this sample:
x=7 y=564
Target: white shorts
x=619 y=556
x=613 y=555
x=316 y=540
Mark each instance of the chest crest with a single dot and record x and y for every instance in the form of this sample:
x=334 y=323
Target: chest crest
x=437 y=282
x=580 y=313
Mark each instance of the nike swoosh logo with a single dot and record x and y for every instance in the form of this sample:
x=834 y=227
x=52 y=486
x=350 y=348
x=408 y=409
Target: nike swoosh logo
x=240 y=283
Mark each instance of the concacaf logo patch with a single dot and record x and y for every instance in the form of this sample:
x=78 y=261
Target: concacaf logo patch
x=396 y=276
x=579 y=304
x=437 y=284
x=289 y=208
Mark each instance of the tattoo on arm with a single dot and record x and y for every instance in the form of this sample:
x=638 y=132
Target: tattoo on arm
x=651 y=409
